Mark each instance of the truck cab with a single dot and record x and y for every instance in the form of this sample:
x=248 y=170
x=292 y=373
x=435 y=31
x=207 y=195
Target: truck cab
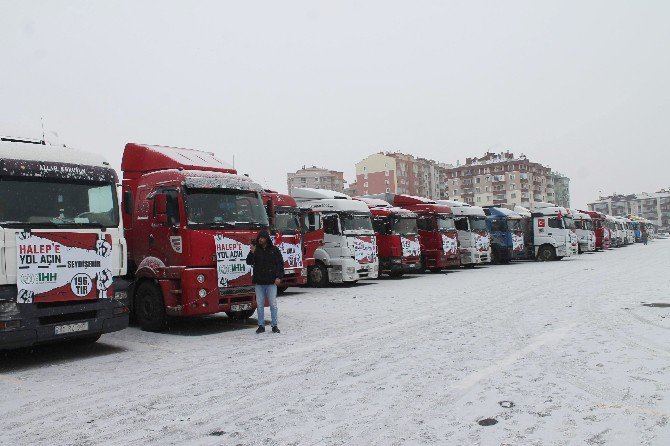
x=585 y=230
x=62 y=250
x=473 y=236
x=549 y=231
x=507 y=238
x=600 y=230
x=189 y=221
x=616 y=234
x=397 y=237
x=438 y=236
x=349 y=250
x=286 y=232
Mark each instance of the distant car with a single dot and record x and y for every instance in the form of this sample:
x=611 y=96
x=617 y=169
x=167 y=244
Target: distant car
x=663 y=235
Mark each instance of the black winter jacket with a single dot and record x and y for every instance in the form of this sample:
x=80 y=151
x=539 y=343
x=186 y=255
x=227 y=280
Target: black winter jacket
x=268 y=263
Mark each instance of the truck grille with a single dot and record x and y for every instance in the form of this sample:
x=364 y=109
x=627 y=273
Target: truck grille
x=237 y=290
x=67 y=317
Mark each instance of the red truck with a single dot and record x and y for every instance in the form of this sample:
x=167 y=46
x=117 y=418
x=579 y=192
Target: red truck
x=603 y=239
x=437 y=234
x=189 y=220
x=286 y=231
x=397 y=237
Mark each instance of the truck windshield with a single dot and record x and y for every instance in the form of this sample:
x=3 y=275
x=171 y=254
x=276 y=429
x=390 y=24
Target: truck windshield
x=210 y=208
x=39 y=204
x=445 y=223
x=514 y=224
x=404 y=226
x=356 y=222
x=477 y=223
x=568 y=222
x=286 y=221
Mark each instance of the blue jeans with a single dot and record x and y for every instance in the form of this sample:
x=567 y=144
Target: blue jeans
x=269 y=292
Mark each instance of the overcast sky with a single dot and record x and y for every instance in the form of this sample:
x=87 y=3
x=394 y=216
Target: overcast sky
x=581 y=86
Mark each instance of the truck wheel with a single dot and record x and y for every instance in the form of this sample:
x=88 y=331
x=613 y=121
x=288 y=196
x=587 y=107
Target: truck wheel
x=240 y=315
x=149 y=309
x=281 y=289
x=396 y=274
x=546 y=254
x=317 y=276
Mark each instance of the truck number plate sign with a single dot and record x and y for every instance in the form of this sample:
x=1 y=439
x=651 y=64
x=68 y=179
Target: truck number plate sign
x=365 y=249
x=63 y=266
x=449 y=244
x=71 y=328
x=410 y=247
x=290 y=252
x=231 y=260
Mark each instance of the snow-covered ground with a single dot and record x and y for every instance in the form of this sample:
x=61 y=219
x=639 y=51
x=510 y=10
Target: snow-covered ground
x=556 y=353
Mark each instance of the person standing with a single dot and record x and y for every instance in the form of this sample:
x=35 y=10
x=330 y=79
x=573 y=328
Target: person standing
x=645 y=237
x=268 y=265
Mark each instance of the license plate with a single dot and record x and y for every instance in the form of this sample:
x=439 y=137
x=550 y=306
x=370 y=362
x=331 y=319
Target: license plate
x=240 y=307
x=71 y=328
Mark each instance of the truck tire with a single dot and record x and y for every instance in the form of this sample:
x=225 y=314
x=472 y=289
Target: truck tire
x=396 y=274
x=317 y=275
x=149 y=308
x=240 y=315
x=546 y=253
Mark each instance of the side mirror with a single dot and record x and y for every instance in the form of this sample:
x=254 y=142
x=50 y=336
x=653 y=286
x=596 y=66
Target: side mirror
x=270 y=210
x=128 y=204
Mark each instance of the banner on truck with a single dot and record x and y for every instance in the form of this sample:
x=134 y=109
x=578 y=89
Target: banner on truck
x=365 y=249
x=62 y=266
x=231 y=260
x=410 y=246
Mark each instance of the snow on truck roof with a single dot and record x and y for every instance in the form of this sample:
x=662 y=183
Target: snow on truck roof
x=50 y=154
x=327 y=200
x=381 y=207
x=149 y=158
x=460 y=208
x=501 y=212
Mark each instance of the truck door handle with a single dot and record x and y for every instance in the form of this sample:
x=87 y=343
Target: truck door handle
x=151 y=240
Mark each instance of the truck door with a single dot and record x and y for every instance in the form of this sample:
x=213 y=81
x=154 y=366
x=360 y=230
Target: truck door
x=165 y=238
x=312 y=233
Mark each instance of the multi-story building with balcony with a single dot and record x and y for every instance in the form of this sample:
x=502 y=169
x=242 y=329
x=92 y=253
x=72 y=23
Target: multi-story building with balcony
x=394 y=172
x=317 y=178
x=495 y=179
x=652 y=206
x=501 y=179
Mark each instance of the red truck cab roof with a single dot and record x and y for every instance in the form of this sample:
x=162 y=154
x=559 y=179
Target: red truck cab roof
x=278 y=199
x=420 y=204
x=382 y=208
x=139 y=159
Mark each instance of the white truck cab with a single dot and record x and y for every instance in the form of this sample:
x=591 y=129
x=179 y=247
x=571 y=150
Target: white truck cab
x=62 y=249
x=473 y=235
x=551 y=234
x=585 y=231
x=349 y=252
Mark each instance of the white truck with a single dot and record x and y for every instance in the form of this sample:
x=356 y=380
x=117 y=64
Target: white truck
x=62 y=249
x=349 y=250
x=549 y=232
x=616 y=231
x=585 y=231
x=473 y=235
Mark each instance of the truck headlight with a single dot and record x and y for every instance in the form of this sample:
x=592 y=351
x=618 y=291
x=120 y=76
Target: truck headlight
x=351 y=270
x=200 y=278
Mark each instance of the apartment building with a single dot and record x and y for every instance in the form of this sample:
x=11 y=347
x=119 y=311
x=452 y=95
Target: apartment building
x=317 y=178
x=652 y=206
x=395 y=172
x=495 y=179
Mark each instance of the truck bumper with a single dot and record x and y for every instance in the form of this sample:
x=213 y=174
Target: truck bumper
x=294 y=277
x=392 y=265
x=472 y=256
x=349 y=270
x=38 y=325
x=440 y=259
